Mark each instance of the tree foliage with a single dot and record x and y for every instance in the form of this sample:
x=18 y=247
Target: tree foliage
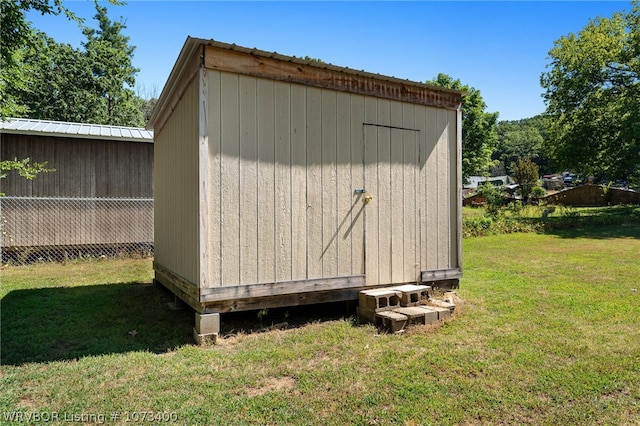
x=522 y=139
x=109 y=57
x=479 y=131
x=16 y=36
x=54 y=81
x=24 y=168
x=593 y=97
x=525 y=174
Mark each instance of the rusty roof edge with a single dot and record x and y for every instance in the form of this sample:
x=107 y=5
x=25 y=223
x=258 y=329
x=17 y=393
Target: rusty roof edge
x=192 y=44
x=323 y=65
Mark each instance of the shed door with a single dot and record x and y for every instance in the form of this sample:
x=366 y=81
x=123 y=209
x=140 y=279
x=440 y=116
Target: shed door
x=391 y=170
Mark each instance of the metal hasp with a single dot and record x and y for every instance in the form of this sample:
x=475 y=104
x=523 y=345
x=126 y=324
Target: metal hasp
x=360 y=190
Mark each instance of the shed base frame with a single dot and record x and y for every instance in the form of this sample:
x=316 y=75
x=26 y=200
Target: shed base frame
x=209 y=304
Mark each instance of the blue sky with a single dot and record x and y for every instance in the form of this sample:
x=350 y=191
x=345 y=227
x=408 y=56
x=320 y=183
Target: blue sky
x=500 y=47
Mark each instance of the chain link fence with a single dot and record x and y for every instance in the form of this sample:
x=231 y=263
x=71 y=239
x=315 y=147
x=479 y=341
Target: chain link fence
x=37 y=229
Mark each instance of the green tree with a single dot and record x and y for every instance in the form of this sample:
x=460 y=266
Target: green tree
x=46 y=80
x=15 y=37
x=479 y=131
x=61 y=83
x=522 y=138
x=109 y=56
x=525 y=174
x=593 y=97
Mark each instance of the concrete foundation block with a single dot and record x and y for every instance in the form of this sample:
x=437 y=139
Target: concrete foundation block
x=391 y=320
x=205 y=339
x=366 y=314
x=207 y=323
x=412 y=294
x=443 y=313
x=378 y=300
x=415 y=314
x=430 y=314
x=442 y=304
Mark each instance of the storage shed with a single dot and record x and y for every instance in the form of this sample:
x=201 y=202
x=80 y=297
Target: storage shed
x=98 y=200
x=281 y=181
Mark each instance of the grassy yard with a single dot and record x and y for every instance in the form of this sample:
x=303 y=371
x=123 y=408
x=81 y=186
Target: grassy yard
x=548 y=334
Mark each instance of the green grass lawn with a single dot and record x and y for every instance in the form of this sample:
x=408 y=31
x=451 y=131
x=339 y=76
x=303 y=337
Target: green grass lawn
x=549 y=333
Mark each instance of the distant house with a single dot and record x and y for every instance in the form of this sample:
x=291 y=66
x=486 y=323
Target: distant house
x=99 y=195
x=475 y=182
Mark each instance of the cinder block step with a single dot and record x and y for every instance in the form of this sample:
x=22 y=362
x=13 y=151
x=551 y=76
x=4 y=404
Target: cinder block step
x=366 y=314
x=378 y=300
x=412 y=294
x=416 y=314
x=442 y=304
x=443 y=313
x=430 y=314
x=391 y=320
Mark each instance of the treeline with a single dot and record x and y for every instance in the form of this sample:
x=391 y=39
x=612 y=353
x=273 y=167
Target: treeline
x=44 y=79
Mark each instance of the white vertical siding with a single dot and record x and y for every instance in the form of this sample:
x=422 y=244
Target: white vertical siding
x=230 y=213
x=299 y=204
x=283 y=226
x=285 y=160
x=247 y=175
x=266 y=238
x=355 y=225
x=176 y=201
x=329 y=184
x=215 y=179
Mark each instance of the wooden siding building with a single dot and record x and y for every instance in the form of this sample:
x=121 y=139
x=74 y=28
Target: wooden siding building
x=91 y=161
x=100 y=193
x=281 y=181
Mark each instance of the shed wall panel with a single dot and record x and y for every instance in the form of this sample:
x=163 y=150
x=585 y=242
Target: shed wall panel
x=329 y=184
x=176 y=196
x=283 y=183
x=299 y=204
x=248 y=178
x=314 y=189
x=215 y=206
x=285 y=160
x=355 y=228
x=266 y=187
x=230 y=180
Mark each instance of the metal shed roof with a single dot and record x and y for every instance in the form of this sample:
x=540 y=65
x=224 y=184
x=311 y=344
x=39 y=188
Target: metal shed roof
x=25 y=126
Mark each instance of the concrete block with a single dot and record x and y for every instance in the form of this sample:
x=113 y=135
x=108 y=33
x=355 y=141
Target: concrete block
x=392 y=321
x=379 y=299
x=430 y=314
x=443 y=313
x=442 y=304
x=205 y=339
x=412 y=294
x=207 y=323
x=416 y=314
x=366 y=314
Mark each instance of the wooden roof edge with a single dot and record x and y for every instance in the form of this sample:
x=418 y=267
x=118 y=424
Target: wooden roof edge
x=257 y=63
x=327 y=66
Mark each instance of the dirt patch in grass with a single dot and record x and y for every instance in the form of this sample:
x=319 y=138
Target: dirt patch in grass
x=273 y=384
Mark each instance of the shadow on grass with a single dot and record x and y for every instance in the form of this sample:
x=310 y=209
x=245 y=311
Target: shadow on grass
x=593 y=229
x=63 y=323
